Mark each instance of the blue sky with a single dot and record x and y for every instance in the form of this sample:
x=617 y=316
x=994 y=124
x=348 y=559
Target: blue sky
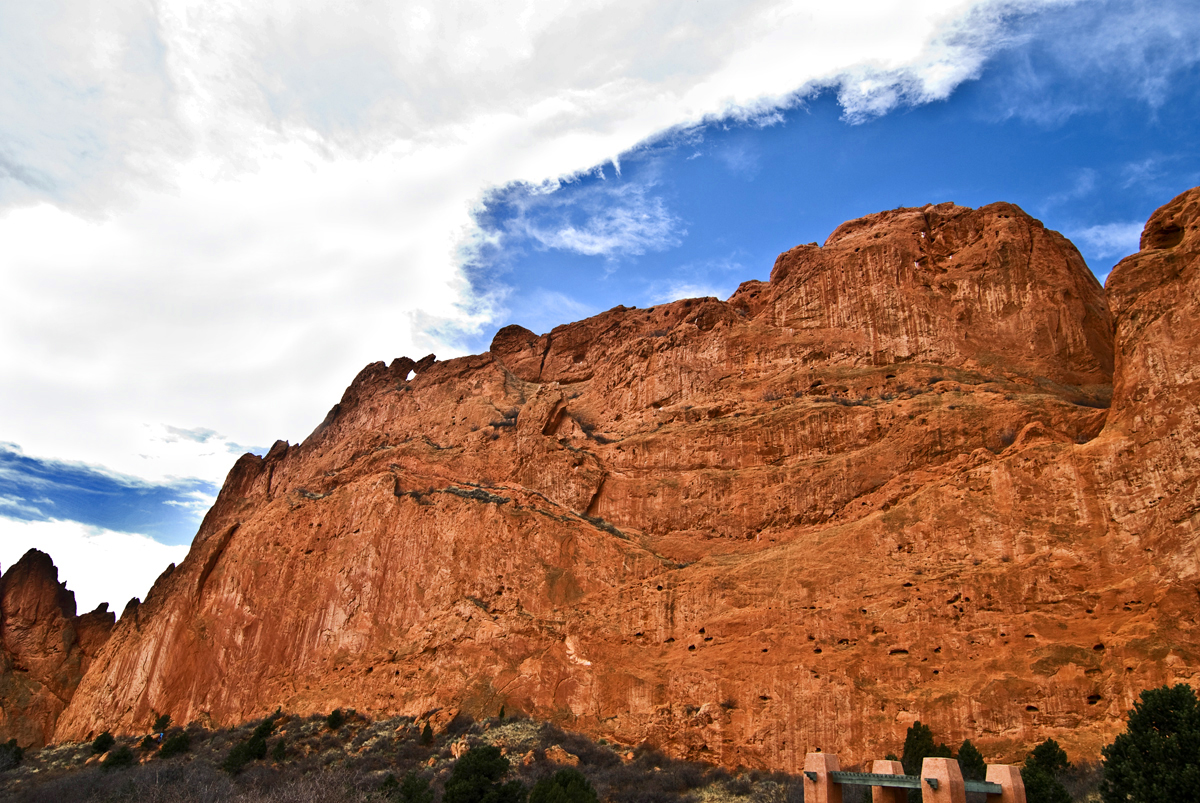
x=213 y=218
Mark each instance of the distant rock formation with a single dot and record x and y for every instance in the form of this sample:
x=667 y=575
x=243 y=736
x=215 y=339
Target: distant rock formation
x=45 y=649
x=930 y=470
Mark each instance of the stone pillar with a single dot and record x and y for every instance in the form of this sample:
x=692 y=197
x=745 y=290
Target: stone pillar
x=1009 y=778
x=818 y=786
x=889 y=794
x=950 y=786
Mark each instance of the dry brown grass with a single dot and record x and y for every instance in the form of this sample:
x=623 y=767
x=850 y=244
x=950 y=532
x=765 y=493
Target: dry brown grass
x=348 y=765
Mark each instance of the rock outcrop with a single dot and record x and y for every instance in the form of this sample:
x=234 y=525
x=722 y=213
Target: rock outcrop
x=45 y=649
x=924 y=472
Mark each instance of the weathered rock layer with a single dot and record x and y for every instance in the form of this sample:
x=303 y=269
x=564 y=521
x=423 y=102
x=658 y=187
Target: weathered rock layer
x=930 y=470
x=45 y=649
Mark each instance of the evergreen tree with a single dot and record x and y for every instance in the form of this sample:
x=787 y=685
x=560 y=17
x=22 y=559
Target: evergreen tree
x=427 y=734
x=566 y=786
x=1158 y=755
x=413 y=789
x=476 y=779
x=918 y=745
x=971 y=762
x=10 y=755
x=1040 y=774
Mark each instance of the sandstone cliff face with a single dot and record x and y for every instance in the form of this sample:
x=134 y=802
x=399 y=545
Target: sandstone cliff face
x=44 y=648
x=886 y=485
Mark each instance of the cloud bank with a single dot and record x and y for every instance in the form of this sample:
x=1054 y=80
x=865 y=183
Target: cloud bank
x=98 y=565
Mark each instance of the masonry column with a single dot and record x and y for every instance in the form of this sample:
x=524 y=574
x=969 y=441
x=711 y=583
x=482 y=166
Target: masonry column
x=818 y=786
x=946 y=775
x=1011 y=783
x=890 y=794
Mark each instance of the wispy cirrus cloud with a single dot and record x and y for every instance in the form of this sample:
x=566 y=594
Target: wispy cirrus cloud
x=609 y=220
x=1109 y=240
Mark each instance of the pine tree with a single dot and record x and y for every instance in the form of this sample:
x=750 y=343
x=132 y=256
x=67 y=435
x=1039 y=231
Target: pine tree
x=1158 y=755
x=971 y=762
x=1040 y=774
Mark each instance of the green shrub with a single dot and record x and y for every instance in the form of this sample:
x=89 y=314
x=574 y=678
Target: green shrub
x=10 y=755
x=148 y=743
x=279 y=751
x=971 y=762
x=476 y=779
x=267 y=727
x=413 y=789
x=119 y=757
x=1158 y=755
x=176 y=744
x=427 y=734
x=566 y=786
x=336 y=719
x=242 y=753
x=102 y=743
x=162 y=723
x=1040 y=774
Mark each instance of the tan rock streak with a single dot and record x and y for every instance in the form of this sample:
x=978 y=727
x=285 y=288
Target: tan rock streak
x=886 y=485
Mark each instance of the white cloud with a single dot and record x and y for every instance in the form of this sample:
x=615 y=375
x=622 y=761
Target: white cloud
x=677 y=290
x=617 y=220
x=218 y=212
x=98 y=565
x=1110 y=240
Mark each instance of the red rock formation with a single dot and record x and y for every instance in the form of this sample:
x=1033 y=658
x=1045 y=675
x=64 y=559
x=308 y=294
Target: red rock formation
x=885 y=485
x=44 y=648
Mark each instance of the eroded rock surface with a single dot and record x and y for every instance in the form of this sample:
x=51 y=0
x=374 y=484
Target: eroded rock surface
x=894 y=482
x=44 y=648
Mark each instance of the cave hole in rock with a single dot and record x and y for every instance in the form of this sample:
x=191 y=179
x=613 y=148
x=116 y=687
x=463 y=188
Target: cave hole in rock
x=1032 y=708
x=1093 y=699
x=1098 y=648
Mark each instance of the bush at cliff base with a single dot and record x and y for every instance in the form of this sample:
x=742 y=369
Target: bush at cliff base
x=974 y=768
x=120 y=757
x=102 y=743
x=1157 y=758
x=10 y=755
x=1041 y=771
x=476 y=779
x=413 y=789
x=175 y=744
x=566 y=786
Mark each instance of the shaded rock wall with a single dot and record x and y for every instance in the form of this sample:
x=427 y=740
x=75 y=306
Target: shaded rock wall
x=45 y=649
